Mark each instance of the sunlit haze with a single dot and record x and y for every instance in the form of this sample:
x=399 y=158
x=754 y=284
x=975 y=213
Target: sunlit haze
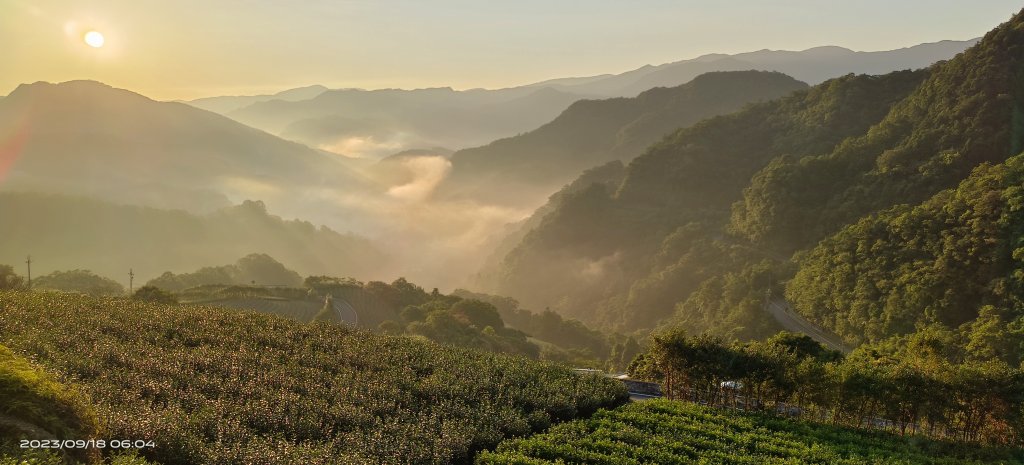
x=511 y=231
x=212 y=50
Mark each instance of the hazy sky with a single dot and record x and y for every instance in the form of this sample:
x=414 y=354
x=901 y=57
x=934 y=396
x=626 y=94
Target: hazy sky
x=190 y=48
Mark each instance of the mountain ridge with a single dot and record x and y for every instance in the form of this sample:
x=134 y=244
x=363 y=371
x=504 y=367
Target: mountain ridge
x=366 y=122
x=194 y=159
x=594 y=132
x=688 y=232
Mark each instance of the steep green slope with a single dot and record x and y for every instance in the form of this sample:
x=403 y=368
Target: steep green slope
x=664 y=222
x=35 y=406
x=945 y=261
x=217 y=386
x=594 y=132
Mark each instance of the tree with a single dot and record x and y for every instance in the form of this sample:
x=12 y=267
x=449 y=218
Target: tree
x=390 y=327
x=477 y=313
x=263 y=269
x=154 y=294
x=803 y=346
x=83 y=281
x=9 y=279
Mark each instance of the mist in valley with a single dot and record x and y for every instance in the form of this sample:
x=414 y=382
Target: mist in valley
x=511 y=232
x=433 y=185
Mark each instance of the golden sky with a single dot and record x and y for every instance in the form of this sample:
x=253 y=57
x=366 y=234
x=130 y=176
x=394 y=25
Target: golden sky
x=180 y=49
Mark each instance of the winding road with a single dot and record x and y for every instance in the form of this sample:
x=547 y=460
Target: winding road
x=789 y=319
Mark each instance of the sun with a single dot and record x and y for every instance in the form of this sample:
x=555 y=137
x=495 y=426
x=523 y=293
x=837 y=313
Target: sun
x=94 y=39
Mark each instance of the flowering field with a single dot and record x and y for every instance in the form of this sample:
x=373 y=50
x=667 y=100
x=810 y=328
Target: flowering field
x=209 y=385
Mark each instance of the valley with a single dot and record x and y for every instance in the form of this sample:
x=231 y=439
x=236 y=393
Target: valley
x=795 y=256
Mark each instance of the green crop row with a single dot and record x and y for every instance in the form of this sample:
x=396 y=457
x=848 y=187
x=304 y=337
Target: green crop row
x=669 y=432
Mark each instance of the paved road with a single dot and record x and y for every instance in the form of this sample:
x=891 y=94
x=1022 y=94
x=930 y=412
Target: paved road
x=790 y=320
x=345 y=311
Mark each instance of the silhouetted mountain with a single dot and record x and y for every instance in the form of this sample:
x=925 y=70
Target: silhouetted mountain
x=813 y=66
x=83 y=137
x=231 y=103
x=522 y=169
x=63 y=232
x=380 y=122
x=376 y=123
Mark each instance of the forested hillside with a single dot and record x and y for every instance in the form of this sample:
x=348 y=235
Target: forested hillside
x=953 y=259
x=660 y=232
x=593 y=132
x=706 y=220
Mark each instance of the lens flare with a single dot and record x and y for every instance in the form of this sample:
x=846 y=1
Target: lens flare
x=94 y=39
x=11 y=147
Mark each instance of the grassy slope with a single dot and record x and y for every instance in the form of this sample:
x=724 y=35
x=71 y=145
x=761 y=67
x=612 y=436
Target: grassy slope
x=668 y=432
x=211 y=385
x=33 y=405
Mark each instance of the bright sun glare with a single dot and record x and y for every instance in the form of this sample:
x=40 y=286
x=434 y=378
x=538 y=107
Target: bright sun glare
x=94 y=39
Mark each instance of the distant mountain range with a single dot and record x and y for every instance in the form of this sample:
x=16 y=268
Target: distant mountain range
x=376 y=123
x=87 y=138
x=227 y=104
x=813 y=66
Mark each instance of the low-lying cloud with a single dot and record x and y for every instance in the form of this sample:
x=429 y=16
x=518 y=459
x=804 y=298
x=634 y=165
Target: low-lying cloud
x=427 y=173
x=365 y=146
x=433 y=243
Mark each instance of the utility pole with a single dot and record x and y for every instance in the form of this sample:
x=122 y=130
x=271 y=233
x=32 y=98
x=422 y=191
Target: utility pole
x=28 y=262
x=131 y=281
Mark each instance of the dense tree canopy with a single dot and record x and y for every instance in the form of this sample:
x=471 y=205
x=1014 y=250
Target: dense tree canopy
x=83 y=281
x=9 y=279
x=920 y=385
x=260 y=269
x=942 y=261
